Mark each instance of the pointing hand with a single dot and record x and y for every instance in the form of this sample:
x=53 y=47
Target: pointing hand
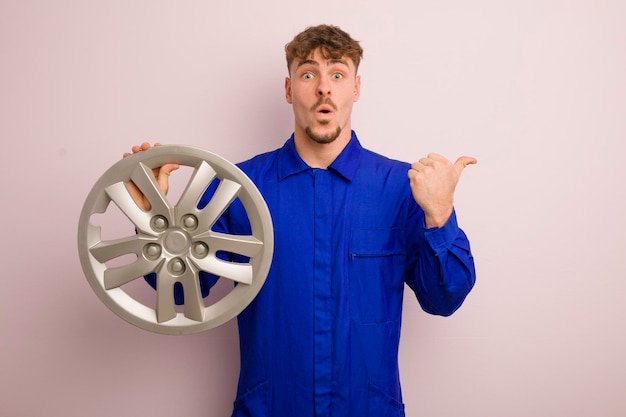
x=433 y=180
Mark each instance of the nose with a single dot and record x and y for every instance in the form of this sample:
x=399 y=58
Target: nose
x=323 y=87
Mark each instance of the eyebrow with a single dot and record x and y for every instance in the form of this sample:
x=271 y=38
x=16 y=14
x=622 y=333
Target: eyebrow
x=315 y=63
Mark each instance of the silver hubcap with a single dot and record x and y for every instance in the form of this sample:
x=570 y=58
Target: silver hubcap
x=175 y=241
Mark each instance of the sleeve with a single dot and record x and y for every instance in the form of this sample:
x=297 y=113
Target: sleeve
x=441 y=267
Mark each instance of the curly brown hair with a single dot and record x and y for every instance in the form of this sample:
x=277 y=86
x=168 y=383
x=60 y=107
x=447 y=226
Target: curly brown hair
x=332 y=42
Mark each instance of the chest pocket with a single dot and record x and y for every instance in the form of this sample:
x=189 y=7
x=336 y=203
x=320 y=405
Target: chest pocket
x=376 y=273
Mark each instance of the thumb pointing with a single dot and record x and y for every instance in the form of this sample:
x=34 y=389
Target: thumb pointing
x=464 y=161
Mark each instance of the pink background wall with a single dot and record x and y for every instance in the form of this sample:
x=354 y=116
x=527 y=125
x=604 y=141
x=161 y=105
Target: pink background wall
x=534 y=89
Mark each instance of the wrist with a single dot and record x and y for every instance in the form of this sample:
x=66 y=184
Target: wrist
x=436 y=220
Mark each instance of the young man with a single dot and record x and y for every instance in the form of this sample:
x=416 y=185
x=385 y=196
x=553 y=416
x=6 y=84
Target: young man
x=322 y=336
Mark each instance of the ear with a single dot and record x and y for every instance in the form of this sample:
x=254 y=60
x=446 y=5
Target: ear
x=288 y=90
x=357 y=88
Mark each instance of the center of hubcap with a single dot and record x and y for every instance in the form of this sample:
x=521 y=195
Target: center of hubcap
x=176 y=242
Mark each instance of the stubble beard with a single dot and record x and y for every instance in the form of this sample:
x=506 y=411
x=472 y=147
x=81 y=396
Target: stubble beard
x=322 y=139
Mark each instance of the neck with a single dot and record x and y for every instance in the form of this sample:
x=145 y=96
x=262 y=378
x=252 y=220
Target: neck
x=320 y=155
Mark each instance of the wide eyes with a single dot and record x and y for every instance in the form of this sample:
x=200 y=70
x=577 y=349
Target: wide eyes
x=310 y=76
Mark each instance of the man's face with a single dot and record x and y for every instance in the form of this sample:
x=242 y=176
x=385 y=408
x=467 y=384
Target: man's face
x=322 y=92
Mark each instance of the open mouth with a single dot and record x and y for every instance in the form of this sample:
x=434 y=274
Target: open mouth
x=324 y=110
x=324 y=107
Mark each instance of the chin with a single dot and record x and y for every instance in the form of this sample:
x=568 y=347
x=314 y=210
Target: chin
x=323 y=137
